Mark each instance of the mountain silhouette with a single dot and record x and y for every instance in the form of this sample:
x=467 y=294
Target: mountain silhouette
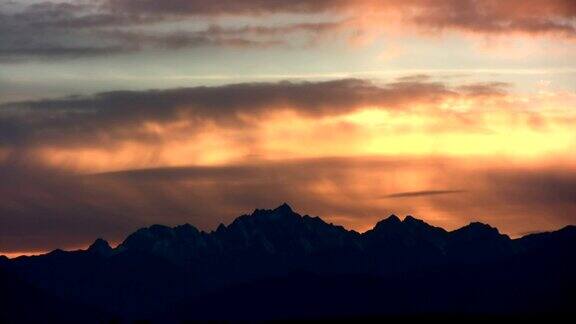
x=276 y=264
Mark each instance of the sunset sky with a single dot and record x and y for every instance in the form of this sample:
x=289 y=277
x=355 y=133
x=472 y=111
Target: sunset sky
x=118 y=114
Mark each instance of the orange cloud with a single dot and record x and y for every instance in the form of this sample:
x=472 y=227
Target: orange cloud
x=230 y=124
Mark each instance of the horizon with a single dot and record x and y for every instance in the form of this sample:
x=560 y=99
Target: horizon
x=115 y=244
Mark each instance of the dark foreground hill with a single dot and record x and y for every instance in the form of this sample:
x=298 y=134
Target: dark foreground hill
x=276 y=264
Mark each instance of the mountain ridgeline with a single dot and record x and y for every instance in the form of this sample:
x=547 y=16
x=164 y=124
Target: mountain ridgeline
x=277 y=264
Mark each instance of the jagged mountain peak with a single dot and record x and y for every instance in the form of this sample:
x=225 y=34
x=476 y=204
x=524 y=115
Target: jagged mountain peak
x=221 y=228
x=163 y=231
x=394 y=223
x=56 y=252
x=150 y=238
x=282 y=214
x=390 y=220
x=412 y=220
x=278 y=221
x=280 y=211
x=282 y=231
x=478 y=241
x=410 y=232
x=186 y=229
x=477 y=230
x=480 y=225
x=284 y=208
x=100 y=246
x=278 y=230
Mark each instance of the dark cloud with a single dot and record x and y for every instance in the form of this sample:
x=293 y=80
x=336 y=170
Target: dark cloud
x=414 y=78
x=44 y=31
x=122 y=113
x=66 y=30
x=229 y=7
x=70 y=15
x=423 y=193
x=182 y=40
x=45 y=44
x=318 y=27
x=482 y=16
x=492 y=16
x=485 y=89
x=56 y=52
x=44 y=209
x=53 y=30
x=98 y=28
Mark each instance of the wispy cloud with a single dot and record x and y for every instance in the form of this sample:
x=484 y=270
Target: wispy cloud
x=52 y=30
x=118 y=111
x=423 y=193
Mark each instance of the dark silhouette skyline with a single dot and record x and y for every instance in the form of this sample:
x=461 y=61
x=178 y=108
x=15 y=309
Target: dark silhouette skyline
x=279 y=265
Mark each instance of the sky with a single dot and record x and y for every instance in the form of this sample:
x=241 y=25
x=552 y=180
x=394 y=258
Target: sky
x=119 y=114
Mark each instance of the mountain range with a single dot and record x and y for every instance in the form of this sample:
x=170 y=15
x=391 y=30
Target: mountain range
x=279 y=265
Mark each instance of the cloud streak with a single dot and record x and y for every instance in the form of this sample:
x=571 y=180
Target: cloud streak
x=210 y=125
x=117 y=112
x=488 y=16
x=52 y=30
x=423 y=193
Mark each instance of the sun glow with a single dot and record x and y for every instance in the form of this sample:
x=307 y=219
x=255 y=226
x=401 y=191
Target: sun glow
x=507 y=127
